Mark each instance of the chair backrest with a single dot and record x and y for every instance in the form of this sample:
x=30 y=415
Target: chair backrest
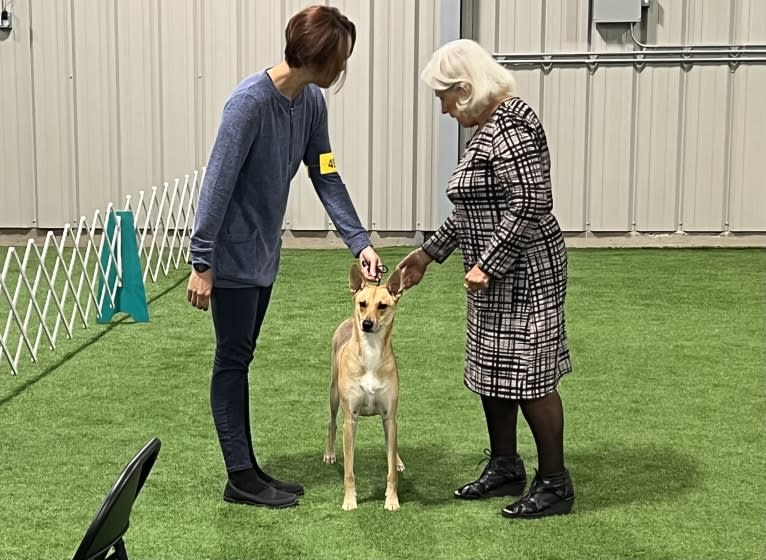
x=112 y=520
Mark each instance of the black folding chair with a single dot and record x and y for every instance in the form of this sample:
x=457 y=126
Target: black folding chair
x=113 y=518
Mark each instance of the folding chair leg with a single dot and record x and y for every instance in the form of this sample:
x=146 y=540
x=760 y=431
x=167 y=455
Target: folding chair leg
x=119 y=551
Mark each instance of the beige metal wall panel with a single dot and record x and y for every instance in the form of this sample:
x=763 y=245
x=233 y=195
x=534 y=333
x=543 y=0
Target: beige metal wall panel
x=393 y=61
x=486 y=24
x=656 y=150
x=747 y=200
x=17 y=195
x=217 y=44
x=566 y=29
x=138 y=86
x=427 y=184
x=54 y=116
x=95 y=103
x=747 y=197
x=519 y=25
x=260 y=31
x=705 y=136
x=705 y=107
x=656 y=198
x=610 y=137
x=179 y=88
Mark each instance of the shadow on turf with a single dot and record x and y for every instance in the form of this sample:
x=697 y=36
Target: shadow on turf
x=618 y=475
x=425 y=480
x=604 y=478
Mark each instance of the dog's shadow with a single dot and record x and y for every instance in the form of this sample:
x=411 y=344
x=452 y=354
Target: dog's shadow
x=425 y=479
x=604 y=478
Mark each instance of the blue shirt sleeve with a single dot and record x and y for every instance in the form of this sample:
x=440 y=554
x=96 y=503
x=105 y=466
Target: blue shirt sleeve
x=330 y=187
x=236 y=134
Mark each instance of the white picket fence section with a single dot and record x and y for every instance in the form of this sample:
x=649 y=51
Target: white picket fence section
x=62 y=282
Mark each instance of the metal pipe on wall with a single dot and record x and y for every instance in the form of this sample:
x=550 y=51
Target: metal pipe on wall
x=646 y=46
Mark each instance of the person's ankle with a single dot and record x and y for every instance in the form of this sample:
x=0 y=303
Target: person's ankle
x=248 y=481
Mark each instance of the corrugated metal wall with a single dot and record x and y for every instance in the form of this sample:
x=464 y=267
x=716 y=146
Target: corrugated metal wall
x=102 y=98
x=660 y=149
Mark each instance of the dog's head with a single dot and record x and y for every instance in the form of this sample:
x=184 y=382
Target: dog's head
x=374 y=306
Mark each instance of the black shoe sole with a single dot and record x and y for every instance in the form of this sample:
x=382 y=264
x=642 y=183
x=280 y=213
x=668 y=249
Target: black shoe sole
x=561 y=508
x=259 y=504
x=509 y=489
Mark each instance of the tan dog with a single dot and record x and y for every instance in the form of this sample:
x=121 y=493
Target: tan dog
x=365 y=378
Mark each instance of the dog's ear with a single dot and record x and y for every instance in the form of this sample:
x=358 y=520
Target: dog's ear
x=355 y=278
x=394 y=283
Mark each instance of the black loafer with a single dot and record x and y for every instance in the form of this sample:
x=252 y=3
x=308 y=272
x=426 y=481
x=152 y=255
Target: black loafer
x=551 y=495
x=503 y=476
x=284 y=485
x=268 y=497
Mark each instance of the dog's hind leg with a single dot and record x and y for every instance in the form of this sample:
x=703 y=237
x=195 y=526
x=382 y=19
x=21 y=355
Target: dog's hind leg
x=329 y=452
x=399 y=462
x=392 y=480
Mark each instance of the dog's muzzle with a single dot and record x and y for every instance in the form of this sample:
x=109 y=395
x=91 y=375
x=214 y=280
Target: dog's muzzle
x=367 y=325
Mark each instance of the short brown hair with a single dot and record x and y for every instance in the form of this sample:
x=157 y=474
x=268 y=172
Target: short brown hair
x=316 y=38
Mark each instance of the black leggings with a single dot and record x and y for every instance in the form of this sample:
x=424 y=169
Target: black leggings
x=545 y=417
x=237 y=317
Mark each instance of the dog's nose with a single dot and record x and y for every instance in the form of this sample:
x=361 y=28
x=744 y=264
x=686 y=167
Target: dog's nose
x=367 y=325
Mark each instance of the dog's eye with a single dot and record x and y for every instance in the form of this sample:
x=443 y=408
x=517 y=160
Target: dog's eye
x=382 y=305
x=363 y=304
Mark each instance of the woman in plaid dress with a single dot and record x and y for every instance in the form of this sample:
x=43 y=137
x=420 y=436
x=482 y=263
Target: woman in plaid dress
x=515 y=263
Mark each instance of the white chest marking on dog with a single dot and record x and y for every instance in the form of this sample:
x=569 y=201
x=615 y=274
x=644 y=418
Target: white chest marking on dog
x=372 y=348
x=370 y=383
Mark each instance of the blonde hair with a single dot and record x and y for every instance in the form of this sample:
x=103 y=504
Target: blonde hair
x=467 y=65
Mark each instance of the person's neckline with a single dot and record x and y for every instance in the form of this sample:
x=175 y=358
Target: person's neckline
x=284 y=99
x=490 y=118
x=494 y=111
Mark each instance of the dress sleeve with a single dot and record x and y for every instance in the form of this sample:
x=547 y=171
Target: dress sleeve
x=443 y=241
x=516 y=161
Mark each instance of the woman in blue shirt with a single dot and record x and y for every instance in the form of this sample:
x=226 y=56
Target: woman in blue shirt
x=273 y=121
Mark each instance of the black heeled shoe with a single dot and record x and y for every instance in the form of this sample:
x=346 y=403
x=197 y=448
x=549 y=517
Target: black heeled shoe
x=503 y=476
x=551 y=495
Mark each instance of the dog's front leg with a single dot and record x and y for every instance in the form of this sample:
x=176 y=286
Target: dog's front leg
x=349 y=481
x=392 y=480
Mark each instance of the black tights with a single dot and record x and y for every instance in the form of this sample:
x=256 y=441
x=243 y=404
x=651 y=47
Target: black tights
x=545 y=417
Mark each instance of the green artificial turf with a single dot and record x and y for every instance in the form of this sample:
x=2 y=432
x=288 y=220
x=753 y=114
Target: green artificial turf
x=664 y=412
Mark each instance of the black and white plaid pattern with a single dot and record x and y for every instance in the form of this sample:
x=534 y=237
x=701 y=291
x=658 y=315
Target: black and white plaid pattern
x=516 y=344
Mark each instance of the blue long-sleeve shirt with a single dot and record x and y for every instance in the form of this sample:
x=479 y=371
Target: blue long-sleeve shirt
x=262 y=139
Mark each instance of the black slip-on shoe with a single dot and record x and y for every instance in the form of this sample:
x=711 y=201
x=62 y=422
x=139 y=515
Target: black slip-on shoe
x=284 y=485
x=268 y=497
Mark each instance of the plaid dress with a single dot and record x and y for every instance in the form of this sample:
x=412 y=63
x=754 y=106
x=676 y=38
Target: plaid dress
x=516 y=344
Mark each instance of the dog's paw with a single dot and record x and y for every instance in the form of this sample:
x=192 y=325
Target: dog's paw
x=329 y=457
x=392 y=504
x=349 y=504
x=399 y=465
